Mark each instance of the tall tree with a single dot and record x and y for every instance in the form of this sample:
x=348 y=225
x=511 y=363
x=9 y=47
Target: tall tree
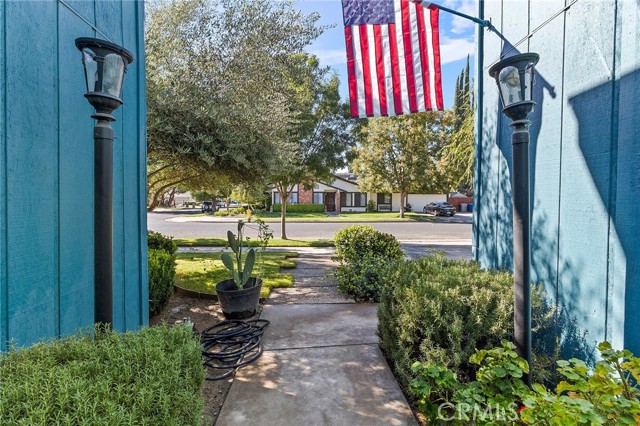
x=318 y=137
x=218 y=103
x=398 y=154
x=458 y=152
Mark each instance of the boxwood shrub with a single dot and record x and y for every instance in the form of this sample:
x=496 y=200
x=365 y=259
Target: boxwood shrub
x=162 y=274
x=364 y=254
x=162 y=270
x=153 y=377
x=157 y=241
x=300 y=208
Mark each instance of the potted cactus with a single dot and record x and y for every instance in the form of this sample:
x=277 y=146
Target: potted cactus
x=239 y=296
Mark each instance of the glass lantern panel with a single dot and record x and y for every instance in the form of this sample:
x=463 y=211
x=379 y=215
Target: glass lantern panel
x=112 y=74
x=90 y=70
x=510 y=90
x=527 y=81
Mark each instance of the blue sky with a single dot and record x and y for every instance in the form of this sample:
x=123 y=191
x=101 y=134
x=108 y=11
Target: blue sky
x=457 y=40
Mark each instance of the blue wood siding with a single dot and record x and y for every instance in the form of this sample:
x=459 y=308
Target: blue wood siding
x=585 y=162
x=46 y=170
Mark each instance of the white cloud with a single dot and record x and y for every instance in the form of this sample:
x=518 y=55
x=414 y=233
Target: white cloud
x=452 y=50
x=461 y=25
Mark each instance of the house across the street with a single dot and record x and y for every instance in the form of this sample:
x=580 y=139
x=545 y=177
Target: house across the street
x=343 y=195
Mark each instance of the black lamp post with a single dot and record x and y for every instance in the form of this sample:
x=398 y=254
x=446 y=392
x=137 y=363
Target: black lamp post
x=105 y=64
x=514 y=76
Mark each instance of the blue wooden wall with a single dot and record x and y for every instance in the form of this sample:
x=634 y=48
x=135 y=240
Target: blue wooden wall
x=46 y=170
x=585 y=161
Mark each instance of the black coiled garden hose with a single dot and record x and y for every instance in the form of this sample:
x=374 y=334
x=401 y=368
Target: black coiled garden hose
x=231 y=344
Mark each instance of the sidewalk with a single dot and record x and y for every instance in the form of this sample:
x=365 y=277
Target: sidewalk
x=321 y=364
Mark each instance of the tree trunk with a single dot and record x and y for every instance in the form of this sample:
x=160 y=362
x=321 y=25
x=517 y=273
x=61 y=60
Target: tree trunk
x=403 y=196
x=172 y=197
x=155 y=200
x=283 y=219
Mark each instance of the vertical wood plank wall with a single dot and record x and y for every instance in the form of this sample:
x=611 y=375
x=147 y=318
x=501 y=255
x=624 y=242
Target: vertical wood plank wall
x=46 y=170
x=585 y=161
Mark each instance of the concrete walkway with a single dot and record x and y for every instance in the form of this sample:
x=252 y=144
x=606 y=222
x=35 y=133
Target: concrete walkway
x=321 y=364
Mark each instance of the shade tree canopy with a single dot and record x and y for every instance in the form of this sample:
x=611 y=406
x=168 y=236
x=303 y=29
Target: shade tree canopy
x=318 y=136
x=401 y=154
x=219 y=90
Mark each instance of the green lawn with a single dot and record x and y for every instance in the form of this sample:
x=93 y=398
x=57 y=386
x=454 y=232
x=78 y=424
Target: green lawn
x=202 y=271
x=347 y=217
x=222 y=242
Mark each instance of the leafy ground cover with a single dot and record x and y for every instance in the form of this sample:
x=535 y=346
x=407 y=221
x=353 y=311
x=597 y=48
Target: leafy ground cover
x=222 y=242
x=202 y=271
x=112 y=379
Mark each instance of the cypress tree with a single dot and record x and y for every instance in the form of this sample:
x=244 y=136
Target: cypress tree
x=466 y=78
x=456 y=96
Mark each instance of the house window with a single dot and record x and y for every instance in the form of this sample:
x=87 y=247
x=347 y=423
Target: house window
x=384 y=198
x=293 y=198
x=318 y=198
x=353 y=199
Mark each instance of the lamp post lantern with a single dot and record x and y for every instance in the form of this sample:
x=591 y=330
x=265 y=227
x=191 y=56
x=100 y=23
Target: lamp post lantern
x=105 y=64
x=514 y=76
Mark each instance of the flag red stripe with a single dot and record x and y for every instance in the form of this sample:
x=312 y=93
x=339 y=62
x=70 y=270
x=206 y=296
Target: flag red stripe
x=424 y=55
x=366 y=70
x=351 y=72
x=436 y=55
x=408 y=60
x=382 y=93
x=395 y=69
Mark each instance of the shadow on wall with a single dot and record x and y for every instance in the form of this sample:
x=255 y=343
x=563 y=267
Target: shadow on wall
x=572 y=339
x=615 y=171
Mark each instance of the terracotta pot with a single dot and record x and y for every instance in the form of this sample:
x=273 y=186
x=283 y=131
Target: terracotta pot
x=239 y=303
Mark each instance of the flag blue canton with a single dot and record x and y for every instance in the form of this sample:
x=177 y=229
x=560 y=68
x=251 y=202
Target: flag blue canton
x=368 y=12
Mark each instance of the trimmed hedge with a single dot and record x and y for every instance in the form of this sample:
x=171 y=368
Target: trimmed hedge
x=157 y=241
x=364 y=254
x=356 y=241
x=300 y=208
x=162 y=274
x=153 y=376
x=162 y=270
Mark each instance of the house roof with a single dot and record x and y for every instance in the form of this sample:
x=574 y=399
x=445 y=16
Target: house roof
x=349 y=177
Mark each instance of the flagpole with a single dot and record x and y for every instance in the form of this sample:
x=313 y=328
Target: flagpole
x=483 y=22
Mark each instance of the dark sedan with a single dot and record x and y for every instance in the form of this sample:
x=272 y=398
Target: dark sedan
x=439 y=208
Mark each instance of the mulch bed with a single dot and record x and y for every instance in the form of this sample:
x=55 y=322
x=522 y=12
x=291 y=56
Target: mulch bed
x=203 y=313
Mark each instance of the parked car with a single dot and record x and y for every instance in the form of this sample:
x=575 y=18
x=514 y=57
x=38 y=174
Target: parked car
x=439 y=208
x=232 y=204
x=207 y=206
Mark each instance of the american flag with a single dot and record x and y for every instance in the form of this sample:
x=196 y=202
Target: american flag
x=393 y=57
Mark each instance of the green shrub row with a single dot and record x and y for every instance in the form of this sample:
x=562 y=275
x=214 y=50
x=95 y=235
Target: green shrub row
x=364 y=254
x=150 y=377
x=162 y=274
x=604 y=395
x=300 y=208
x=439 y=311
x=231 y=212
x=162 y=270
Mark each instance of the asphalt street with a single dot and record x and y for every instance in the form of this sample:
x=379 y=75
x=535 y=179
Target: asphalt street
x=448 y=231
